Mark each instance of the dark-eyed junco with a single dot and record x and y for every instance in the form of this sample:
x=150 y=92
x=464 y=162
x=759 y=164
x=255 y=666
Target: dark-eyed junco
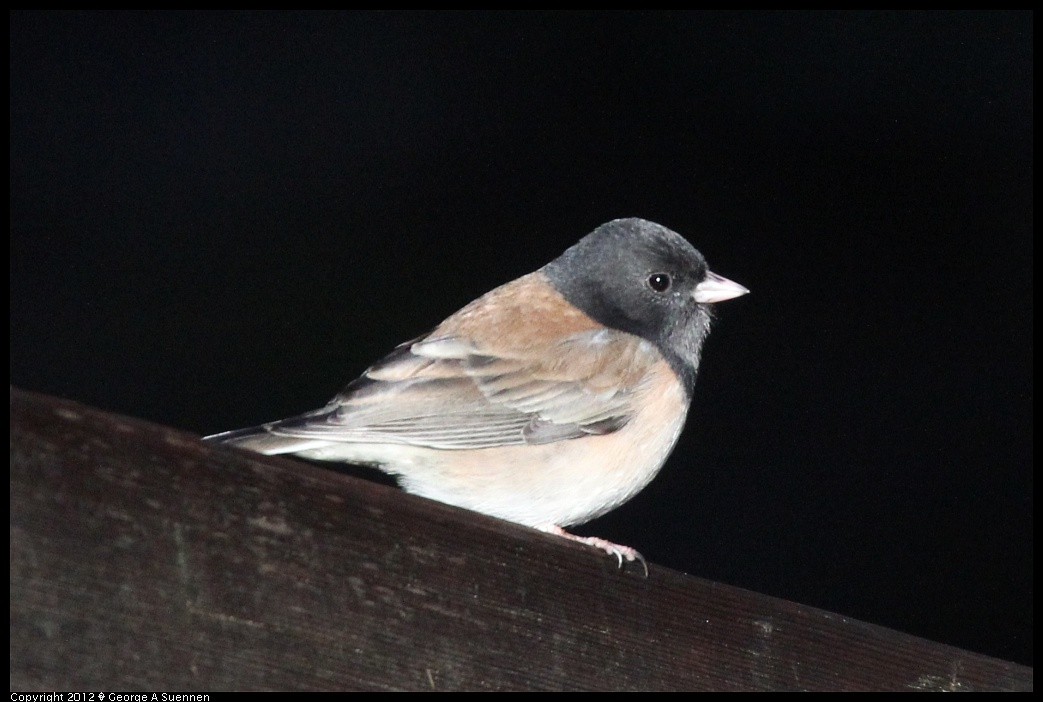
x=548 y=401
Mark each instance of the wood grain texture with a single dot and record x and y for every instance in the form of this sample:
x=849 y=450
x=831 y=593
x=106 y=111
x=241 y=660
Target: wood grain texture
x=143 y=559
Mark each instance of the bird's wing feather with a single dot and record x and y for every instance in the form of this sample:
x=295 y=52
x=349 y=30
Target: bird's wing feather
x=451 y=392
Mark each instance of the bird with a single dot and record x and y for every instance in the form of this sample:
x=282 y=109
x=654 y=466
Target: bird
x=547 y=402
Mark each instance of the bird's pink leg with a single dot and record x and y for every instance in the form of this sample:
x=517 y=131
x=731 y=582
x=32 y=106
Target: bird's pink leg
x=618 y=550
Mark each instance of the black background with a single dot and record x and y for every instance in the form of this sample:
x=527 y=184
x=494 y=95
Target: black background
x=220 y=219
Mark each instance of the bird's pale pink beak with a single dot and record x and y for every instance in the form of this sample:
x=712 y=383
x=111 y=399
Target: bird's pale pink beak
x=717 y=289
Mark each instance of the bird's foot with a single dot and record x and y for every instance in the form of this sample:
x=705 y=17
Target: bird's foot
x=622 y=553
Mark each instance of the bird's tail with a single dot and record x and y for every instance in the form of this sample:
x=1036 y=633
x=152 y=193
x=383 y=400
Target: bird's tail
x=262 y=440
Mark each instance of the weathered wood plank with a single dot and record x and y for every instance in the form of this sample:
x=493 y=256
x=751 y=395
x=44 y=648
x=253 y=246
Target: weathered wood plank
x=143 y=559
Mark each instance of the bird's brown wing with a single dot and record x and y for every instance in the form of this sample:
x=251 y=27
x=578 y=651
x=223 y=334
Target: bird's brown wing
x=447 y=392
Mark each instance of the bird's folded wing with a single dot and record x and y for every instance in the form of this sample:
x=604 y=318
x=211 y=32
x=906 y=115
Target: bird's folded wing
x=452 y=393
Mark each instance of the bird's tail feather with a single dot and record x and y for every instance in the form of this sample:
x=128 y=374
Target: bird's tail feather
x=261 y=440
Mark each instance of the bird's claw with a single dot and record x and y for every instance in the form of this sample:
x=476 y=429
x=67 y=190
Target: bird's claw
x=618 y=550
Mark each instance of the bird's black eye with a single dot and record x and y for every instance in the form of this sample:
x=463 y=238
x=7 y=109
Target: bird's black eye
x=660 y=282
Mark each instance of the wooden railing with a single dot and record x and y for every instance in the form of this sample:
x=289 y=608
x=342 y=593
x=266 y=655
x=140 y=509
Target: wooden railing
x=145 y=560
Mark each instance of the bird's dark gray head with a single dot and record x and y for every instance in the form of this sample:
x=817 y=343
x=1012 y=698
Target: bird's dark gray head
x=644 y=279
